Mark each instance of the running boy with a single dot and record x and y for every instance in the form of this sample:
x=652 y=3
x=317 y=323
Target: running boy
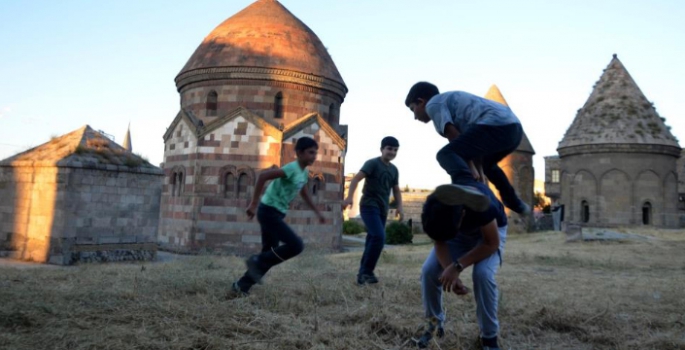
x=287 y=182
x=463 y=238
x=381 y=177
x=478 y=130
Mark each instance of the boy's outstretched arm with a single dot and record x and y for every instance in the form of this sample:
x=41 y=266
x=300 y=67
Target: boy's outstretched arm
x=263 y=177
x=304 y=193
x=353 y=187
x=397 y=193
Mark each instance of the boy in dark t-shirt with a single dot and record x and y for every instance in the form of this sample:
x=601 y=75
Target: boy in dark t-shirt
x=463 y=237
x=381 y=177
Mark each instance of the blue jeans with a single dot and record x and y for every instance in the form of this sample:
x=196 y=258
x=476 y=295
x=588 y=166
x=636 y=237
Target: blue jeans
x=490 y=144
x=274 y=231
x=484 y=284
x=374 y=220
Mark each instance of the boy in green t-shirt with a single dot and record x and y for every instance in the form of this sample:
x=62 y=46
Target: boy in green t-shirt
x=287 y=182
x=381 y=177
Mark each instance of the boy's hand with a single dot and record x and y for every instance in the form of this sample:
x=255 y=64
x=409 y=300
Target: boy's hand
x=251 y=210
x=347 y=203
x=400 y=214
x=451 y=282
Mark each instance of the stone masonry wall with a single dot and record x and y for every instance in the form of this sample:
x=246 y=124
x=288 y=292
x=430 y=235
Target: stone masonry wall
x=617 y=186
x=210 y=214
x=259 y=97
x=54 y=213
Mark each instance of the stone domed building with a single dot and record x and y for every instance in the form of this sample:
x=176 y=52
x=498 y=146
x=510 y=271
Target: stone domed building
x=617 y=160
x=518 y=166
x=257 y=82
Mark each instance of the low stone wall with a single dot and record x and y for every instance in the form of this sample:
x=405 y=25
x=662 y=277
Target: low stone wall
x=48 y=212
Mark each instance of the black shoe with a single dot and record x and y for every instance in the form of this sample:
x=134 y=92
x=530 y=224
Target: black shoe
x=235 y=288
x=253 y=269
x=366 y=278
x=425 y=339
x=462 y=195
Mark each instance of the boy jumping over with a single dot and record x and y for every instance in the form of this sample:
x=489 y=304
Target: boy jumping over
x=381 y=177
x=477 y=129
x=463 y=238
x=287 y=182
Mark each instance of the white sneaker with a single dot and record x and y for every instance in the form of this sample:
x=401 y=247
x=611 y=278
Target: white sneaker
x=462 y=195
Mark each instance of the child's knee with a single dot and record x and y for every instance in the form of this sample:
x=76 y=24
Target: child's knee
x=430 y=272
x=482 y=274
x=298 y=246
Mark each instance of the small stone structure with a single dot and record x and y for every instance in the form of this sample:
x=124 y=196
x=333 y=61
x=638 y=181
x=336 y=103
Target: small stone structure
x=617 y=160
x=79 y=197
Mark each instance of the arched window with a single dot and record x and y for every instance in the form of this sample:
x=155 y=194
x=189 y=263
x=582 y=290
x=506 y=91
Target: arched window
x=229 y=185
x=242 y=186
x=278 y=106
x=647 y=213
x=316 y=186
x=331 y=113
x=585 y=211
x=173 y=184
x=211 y=104
x=181 y=184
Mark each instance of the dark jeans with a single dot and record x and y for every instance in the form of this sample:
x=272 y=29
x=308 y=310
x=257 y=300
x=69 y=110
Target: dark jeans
x=491 y=144
x=274 y=231
x=374 y=220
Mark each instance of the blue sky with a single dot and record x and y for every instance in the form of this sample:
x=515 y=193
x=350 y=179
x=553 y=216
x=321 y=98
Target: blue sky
x=67 y=63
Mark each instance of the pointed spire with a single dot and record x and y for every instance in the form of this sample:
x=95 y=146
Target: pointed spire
x=617 y=112
x=127 y=139
x=495 y=95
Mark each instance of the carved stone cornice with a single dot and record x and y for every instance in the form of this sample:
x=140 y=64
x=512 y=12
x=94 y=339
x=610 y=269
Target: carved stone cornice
x=620 y=148
x=258 y=73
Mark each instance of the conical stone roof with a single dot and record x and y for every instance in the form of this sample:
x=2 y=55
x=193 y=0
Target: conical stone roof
x=494 y=94
x=617 y=113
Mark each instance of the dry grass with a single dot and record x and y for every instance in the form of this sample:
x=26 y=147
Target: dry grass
x=555 y=295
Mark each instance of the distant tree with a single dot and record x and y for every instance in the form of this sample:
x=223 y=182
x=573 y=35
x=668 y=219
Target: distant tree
x=539 y=200
x=406 y=188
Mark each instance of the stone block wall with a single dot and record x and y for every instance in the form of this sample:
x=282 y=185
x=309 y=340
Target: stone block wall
x=220 y=176
x=412 y=203
x=617 y=186
x=53 y=213
x=259 y=97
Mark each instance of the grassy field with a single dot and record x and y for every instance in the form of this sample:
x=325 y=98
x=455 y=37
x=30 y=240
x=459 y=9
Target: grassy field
x=555 y=295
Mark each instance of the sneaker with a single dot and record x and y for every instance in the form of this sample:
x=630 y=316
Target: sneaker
x=253 y=270
x=462 y=195
x=366 y=278
x=235 y=288
x=425 y=339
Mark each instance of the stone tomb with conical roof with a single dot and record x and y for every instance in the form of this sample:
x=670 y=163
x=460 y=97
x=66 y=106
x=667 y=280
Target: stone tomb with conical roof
x=258 y=82
x=79 y=197
x=518 y=166
x=617 y=160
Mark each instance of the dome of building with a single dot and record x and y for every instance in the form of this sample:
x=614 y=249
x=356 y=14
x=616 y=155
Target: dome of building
x=264 y=41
